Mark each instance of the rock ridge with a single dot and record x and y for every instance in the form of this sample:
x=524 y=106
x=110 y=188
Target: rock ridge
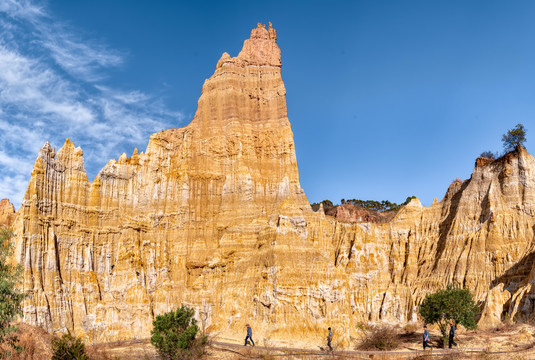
x=213 y=215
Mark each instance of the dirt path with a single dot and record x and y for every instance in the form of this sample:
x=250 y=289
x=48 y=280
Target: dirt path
x=142 y=349
x=360 y=354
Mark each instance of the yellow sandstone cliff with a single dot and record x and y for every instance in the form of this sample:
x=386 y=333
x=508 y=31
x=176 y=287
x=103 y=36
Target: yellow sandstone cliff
x=7 y=213
x=212 y=215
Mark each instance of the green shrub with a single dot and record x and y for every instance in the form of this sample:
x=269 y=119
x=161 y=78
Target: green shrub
x=174 y=335
x=10 y=297
x=68 y=348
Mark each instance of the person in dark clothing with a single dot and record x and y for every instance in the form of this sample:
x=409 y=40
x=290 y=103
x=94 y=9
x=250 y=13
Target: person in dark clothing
x=249 y=335
x=330 y=339
x=452 y=334
x=426 y=338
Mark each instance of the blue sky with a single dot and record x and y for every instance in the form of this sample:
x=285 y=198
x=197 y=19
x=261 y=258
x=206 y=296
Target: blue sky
x=386 y=99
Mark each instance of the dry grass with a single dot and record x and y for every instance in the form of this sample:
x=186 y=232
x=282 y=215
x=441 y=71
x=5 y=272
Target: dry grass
x=36 y=343
x=411 y=328
x=380 y=338
x=506 y=327
x=99 y=352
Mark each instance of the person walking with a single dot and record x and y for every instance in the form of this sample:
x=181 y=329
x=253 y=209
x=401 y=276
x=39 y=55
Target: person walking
x=452 y=334
x=249 y=335
x=426 y=338
x=330 y=339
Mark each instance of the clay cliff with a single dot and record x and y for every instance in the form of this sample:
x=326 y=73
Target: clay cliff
x=213 y=215
x=7 y=213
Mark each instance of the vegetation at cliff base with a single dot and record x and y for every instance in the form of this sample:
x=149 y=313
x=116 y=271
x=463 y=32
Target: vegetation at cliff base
x=174 y=335
x=10 y=297
x=449 y=304
x=68 y=348
x=514 y=137
x=382 y=338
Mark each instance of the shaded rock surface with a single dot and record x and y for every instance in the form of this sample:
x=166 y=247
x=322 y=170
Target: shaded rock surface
x=352 y=213
x=213 y=215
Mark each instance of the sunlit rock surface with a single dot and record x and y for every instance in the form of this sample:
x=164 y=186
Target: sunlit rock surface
x=7 y=213
x=213 y=215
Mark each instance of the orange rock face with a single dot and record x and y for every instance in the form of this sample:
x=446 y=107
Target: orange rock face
x=7 y=213
x=212 y=215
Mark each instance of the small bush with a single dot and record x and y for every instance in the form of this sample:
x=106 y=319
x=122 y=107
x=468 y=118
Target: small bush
x=174 y=335
x=380 y=338
x=68 y=348
x=411 y=328
x=488 y=155
x=362 y=327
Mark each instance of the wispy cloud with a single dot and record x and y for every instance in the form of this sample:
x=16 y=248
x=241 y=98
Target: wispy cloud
x=23 y=9
x=74 y=56
x=30 y=86
x=13 y=187
x=52 y=87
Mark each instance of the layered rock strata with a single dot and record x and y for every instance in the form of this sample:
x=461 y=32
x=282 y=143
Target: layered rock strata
x=212 y=215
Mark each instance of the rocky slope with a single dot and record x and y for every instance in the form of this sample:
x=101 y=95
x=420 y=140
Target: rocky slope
x=356 y=214
x=213 y=215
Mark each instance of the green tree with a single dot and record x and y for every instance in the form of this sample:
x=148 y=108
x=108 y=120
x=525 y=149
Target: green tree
x=68 y=348
x=10 y=297
x=514 y=137
x=449 y=304
x=173 y=334
x=327 y=203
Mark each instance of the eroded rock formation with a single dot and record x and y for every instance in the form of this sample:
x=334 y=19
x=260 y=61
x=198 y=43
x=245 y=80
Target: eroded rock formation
x=7 y=213
x=213 y=215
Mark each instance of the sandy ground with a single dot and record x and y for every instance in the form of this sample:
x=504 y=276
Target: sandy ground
x=511 y=342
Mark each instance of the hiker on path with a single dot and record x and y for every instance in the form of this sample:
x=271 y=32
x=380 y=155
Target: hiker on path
x=249 y=335
x=426 y=338
x=452 y=334
x=330 y=339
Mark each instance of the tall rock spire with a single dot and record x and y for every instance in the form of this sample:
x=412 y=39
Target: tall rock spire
x=212 y=215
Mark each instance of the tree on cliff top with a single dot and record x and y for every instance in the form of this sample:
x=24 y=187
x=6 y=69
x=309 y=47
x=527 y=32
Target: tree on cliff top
x=10 y=297
x=449 y=304
x=514 y=137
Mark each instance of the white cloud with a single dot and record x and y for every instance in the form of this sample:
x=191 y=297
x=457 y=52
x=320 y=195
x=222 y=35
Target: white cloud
x=30 y=136
x=21 y=9
x=13 y=187
x=29 y=85
x=51 y=88
x=127 y=97
x=76 y=57
x=19 y=165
